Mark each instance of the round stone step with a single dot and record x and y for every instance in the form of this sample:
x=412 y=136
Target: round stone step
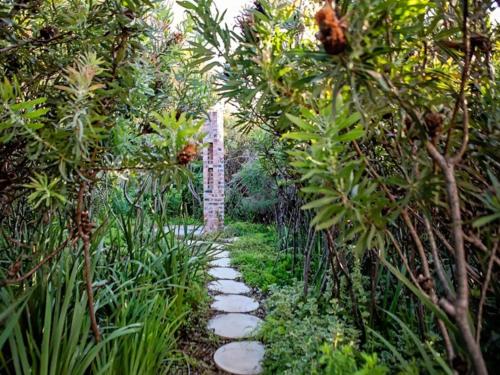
x=221 y=254
x=234 y=326
x=228 y=287
x=230 y=240
x=224 y=273
x=220 y=262
x=234 y=303
x=241 y=358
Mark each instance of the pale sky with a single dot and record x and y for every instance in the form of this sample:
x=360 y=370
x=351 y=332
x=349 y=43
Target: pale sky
x=233 y=7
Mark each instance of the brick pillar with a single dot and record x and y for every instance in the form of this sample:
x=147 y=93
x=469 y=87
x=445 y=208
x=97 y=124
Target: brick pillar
x=213 y=172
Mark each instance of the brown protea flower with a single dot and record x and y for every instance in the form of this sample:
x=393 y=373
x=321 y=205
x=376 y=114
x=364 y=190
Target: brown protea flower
x=425 y=283
x=434 y=124
x=331 y=29
x=187 y=154
x=178 y=37
x=14 y=269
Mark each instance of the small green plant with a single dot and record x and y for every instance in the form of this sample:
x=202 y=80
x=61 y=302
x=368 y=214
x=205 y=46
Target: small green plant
x=257 y=257
x=148 y=350
x=47 y=331
x=296 y=331
x=345 y=360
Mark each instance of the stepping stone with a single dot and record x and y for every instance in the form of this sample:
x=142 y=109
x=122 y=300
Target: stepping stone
x=228 y=287
x=230 y=240
x=199 y=243
x=222 y=254
x=242 y=358
x=234 y=303
x=183 y=230
x=220 y=262
x=224 y=273
x=234 y=326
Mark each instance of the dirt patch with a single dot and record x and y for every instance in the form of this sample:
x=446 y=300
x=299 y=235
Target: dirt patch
x=198 y=345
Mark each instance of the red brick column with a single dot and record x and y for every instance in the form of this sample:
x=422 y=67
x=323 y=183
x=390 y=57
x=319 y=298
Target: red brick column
x=213 y=172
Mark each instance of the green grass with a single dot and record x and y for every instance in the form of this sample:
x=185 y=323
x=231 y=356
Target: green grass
x=241 y=228
x=185 y=220
x=256 y=255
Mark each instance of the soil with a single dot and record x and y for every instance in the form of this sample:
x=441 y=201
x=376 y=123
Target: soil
x=198 y=345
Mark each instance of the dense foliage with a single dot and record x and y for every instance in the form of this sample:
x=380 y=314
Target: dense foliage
x=390 y=132
x=250 y=190
x=97 y=103
x=372 y=145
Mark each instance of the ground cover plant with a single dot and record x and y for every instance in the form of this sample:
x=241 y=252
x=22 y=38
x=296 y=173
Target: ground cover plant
x=256 y=257
x=318 y=333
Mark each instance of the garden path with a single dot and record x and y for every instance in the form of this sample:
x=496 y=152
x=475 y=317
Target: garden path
x=233 y=319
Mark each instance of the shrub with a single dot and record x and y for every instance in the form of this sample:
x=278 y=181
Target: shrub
x=296 y=332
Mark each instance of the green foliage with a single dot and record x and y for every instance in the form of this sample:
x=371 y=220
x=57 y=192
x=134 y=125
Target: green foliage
x=251 y=194
x=48 y=331
x=251 y=188
x=396 y=130
x=145 y=280
x=98 y=99
x=255 y=254
x=348 y=196
x=296 y=332
x=158 y=280
x=44 y=191
x=92 y=86
x=148 y=350
x=345 y=361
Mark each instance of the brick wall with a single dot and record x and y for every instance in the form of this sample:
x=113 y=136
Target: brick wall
x=213 y=172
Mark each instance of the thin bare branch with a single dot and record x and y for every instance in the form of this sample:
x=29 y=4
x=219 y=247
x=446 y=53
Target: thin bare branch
x=484 y=292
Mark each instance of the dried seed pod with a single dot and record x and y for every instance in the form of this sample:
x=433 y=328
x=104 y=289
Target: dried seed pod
x=331 y=29
x=425 y=283
x=187 y=154
x=434 y=124
x=14 y=268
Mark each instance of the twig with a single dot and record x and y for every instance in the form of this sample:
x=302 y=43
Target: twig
x=84 y=233
x=437 y=261
x=476 y=241
x=459 y=309
x=39 y=265
x=37 y=41
x=484 y=291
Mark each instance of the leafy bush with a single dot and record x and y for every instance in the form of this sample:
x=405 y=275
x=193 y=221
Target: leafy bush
x=98 y=100
x=316 y=336
x=389 y=131
x=296 y=331
x=347 y=360
x=46 y=329
x=145 y=280
x=250 y=193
